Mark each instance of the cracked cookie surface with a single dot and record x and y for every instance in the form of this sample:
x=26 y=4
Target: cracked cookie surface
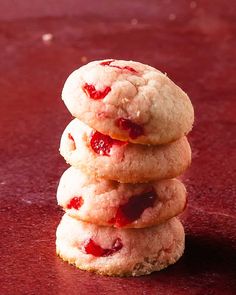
x=128 y=101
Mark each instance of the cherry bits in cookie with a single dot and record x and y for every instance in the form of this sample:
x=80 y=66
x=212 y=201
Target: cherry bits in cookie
x=72 y=141
x=70 y=137
x=75 y=203
x=134 y=129
x=102 y=144
x=133 y=209
x=90 y=247
x=108 y=63
x=91 y=91
x=129 y=90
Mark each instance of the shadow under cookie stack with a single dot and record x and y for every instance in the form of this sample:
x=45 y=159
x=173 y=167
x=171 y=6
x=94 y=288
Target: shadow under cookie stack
x=126 y=146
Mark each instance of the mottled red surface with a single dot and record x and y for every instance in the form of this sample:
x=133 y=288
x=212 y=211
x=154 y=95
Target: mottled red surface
x=194 y=42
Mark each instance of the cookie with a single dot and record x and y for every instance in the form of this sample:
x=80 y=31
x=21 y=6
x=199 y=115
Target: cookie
x=101 y=156
x=109 y=203
x=129 y=101
x=119 y=252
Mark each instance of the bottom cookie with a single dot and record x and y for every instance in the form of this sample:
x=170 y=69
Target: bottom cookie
x=119 y=252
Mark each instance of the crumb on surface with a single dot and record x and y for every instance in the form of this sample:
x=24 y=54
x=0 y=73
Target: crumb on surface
x=172 y=16
x=193 y=4
x=47 y=37
x=134 y=21
x=84 y=59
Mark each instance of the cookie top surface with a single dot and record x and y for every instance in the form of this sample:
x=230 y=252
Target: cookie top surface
x=103 y=157
x=110 y=203
x=128 y=101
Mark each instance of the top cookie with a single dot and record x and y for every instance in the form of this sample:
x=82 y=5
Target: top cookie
x=129 y=101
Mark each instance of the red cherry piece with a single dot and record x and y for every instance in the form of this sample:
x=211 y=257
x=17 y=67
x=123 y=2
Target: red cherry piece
x=102 y=144
x=90 y=247
x=134 y=129
x=91 y=91
x=118 y=67
x=71 y=138
x=133 y=209
x=130 y=69
x=75 y=203
x=108 y=63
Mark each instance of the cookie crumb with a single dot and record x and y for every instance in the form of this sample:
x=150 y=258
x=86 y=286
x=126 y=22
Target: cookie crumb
x=134 y=21
x=84 y=59
x=47 y=37
x=193 y=4
x=172 y=16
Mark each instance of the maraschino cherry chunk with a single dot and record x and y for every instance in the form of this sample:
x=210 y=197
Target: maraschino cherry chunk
x=90 y=247
x=91 y=91
x=133 y=209
x=134 y=129
x=75 y=203
x=102 y=144
x=108 y=63
x=72 y=141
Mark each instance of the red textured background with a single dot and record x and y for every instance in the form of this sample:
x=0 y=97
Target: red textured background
x=194 y=42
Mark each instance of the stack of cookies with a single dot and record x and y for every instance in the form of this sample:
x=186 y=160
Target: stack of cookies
x=125 y=146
